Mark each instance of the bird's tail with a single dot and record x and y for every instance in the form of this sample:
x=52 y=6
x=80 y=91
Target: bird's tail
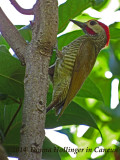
x=57 y=105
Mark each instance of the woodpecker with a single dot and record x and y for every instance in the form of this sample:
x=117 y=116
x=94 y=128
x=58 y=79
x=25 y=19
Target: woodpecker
x=75 y=62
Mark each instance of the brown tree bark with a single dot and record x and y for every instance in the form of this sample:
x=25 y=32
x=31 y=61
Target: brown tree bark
x=37 y=58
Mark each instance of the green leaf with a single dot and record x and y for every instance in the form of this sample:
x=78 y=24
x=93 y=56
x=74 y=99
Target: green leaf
x=6 y=99
x=114 y=61
x=90 y=90
x=48 y=151
x=101 y=64
x=100 y=4
x=105 y=88
x=115 y=25
x=108 y=136
x=115 y=113
x=84 y=17
x=98 y=75
x=26 y=33
x=74 y=114
x=71 y=9
x=65 y=155
x=19 y=26
x=6 y=114
x=12 y=140
x=114 y=33
x=3 y=97
x=53 y=58
x=85 y=144
x=114 y=50
x=11 y=74
x=3 y=41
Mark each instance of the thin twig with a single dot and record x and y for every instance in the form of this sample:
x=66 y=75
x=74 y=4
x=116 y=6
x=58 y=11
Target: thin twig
x=20 y=9
x=13 y=118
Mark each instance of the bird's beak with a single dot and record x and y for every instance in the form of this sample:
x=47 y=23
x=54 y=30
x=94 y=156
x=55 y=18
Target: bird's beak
x=80 y=24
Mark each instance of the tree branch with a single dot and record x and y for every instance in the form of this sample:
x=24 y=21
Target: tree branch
x=44 y=30
x=45 y=27
x=20 y=9
x=12 y=36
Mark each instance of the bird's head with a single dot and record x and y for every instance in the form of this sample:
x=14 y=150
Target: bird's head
x=94 y=27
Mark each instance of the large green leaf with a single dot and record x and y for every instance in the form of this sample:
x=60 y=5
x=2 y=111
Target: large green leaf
x=98 y=75
x=71 y=9
x=11 y=74
x=105 y=88
x=74 y=114
x=11 y=141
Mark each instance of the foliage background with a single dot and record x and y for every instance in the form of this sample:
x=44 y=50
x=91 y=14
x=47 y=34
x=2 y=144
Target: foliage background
x=91 y=106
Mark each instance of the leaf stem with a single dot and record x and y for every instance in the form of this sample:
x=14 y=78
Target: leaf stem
x=14 y=99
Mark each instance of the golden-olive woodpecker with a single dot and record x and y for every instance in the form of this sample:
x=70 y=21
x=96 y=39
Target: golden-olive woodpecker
x=75 y=62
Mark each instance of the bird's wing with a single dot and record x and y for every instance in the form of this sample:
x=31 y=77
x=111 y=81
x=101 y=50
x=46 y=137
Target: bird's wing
x=84 y=63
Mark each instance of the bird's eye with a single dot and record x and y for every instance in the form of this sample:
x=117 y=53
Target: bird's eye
x=92 y=23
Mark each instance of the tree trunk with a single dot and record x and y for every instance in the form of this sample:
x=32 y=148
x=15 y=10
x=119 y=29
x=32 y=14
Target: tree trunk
x=37 y=58
x=36 y=85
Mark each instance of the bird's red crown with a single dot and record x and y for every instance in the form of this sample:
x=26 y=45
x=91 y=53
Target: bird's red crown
x=106 y=31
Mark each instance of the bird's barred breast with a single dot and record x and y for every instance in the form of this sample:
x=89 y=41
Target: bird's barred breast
x=68 y=62
x=71 y=52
